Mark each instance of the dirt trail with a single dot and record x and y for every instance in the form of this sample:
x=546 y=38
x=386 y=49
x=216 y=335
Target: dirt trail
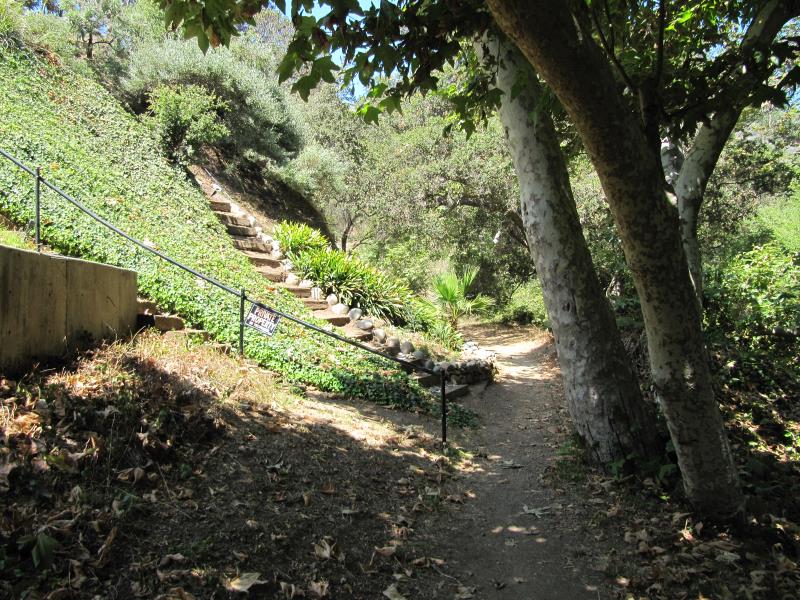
x=494 y=544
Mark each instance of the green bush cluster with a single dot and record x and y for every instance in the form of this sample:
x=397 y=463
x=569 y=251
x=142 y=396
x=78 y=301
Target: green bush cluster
x=753 y=313
x=296 y=238
x=356 y=283
x=90 y=147
x=261 y=122
x=526 y=306
x=186 y=118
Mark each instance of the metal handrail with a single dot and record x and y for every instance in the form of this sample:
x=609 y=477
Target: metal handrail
x=241 y=294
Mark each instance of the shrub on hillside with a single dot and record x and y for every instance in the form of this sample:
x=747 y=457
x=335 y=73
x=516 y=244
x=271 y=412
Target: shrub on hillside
x=10 y=19
x=753 y=313
x=356 y=283
x=186 y=118
x=261 y=122
x=296 y=238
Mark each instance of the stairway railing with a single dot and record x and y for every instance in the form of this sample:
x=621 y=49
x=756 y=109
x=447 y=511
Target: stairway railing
x=242 y=294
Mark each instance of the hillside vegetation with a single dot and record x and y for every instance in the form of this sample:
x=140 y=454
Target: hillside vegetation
x=89 y=146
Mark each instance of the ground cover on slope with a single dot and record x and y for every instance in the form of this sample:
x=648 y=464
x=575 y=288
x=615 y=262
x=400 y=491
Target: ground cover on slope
x=88 y=145
x=164 y=468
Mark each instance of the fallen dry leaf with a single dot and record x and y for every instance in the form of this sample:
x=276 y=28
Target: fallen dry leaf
x=243 y=582
x=392 y=593
x=319 y=588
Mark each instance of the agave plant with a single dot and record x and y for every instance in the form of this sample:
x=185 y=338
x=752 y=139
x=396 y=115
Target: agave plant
x=452 y=296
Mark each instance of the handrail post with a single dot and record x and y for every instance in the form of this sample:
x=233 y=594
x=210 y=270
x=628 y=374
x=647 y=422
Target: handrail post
x=38 y=195
x=444 y=411
x=242 y=298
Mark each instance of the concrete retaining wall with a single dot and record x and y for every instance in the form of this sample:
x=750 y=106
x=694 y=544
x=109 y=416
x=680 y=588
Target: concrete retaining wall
x=51 y=304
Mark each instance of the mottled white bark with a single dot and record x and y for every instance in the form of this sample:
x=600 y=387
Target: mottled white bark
x=552 y=39
x=701 y=159
x=602 y=392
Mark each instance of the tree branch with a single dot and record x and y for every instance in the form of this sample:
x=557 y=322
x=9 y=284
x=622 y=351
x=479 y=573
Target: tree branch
x=610 y=50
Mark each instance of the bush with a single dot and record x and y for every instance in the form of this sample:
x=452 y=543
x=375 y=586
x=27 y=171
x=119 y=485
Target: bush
x=297 y=238
x=186 y=119
x=10 y=19
x=261 y=121
x=782 y=218
x=356 y=283
x=526 y=306
x=753 y=315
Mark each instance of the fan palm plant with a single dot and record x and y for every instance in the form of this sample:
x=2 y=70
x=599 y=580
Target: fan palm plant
x=452 y=296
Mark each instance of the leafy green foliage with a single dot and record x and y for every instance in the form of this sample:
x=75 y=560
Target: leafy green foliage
x=186 y=119
x=10 y=18
x=262 y=125
x=526 y=307
x=782 y=217
x=90 y=147
x=355 y=282
x=754 y=314
x=298 y=238
x=452 y=296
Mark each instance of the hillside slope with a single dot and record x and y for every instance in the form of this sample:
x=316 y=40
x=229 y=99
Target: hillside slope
x=87 y=144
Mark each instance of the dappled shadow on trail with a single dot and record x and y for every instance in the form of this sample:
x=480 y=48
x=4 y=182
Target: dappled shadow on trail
x=512 y=532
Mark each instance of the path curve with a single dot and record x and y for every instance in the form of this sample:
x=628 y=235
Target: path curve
x=491 y=544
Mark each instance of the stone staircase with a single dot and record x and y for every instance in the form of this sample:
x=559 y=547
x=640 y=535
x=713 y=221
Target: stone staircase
x=266 y=255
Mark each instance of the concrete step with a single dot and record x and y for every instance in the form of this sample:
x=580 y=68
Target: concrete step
x=220 y=206
x=312 y=304
x=332 y=318
x=296 y=290
x=262 y=259
x=426 y=379
x=168 y=322
x=146 y=307
x=357 y=334
x=250 y=244
x=452 y=391
x=231 y=219
x=242 y=230
x=276 y=274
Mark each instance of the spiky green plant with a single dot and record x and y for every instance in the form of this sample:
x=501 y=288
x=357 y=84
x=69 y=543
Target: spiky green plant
x=452 y=296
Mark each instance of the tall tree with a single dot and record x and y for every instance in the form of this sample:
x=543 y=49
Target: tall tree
x=556 y=39
x=603 y=396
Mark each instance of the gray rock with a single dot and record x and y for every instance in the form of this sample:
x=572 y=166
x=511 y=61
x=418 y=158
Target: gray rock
x=407 y=347
x=292 y=279
x=429 y=364
x=332 y=299
x=316 y=293
x=355 y=314
x=392 y=350
x=419 y=355
x=340 y=309
x=393 y=342
x=379 y=335
x=306 y=283
x=365 y=324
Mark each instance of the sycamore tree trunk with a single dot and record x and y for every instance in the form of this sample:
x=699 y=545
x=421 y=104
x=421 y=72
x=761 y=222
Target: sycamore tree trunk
x=690 y=187
x=551 y=37
x=602 y=392
x=701 y=159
